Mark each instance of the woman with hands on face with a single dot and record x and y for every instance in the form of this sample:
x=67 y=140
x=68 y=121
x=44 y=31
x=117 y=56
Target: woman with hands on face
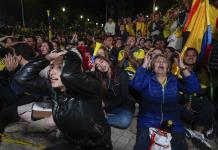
x=76 y=104
x=149 y=56
x=118 y=104
x=159 y=91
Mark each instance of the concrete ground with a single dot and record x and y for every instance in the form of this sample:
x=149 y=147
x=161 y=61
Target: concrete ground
x=121 y=139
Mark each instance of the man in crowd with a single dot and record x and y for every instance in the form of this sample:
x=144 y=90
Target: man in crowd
x=109 y=27
x=112 y=51
x=131 y=57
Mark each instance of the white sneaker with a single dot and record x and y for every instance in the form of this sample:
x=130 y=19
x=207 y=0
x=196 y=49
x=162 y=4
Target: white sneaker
x=198 y=139
x=209 y=132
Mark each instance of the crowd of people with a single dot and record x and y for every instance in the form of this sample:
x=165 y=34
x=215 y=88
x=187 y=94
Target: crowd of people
x=92 y=81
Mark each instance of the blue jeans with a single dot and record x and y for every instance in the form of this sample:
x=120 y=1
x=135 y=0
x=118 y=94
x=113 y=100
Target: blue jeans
x=119 y=117
x=143 y=140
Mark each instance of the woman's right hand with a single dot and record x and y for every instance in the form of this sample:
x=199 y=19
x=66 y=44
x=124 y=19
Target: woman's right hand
x=147 y=60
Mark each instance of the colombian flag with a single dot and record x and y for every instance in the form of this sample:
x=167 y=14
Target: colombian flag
x=198 y=24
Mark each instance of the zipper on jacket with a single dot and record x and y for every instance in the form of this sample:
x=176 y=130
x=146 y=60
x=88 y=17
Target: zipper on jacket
x=162 y=113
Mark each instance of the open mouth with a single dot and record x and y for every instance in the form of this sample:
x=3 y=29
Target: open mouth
x=53 y=79
x=161 y=67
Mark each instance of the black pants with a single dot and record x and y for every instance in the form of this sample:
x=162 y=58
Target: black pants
x=8 y=114
x=68 y=146
x=8 y=97
x=203 y=115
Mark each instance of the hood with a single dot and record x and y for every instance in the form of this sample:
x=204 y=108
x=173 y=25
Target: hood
x=71 y=66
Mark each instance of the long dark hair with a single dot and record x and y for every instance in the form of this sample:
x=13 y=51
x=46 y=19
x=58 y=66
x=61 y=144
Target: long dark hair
x=50 y=46
x=196 y=66
x=103 y=76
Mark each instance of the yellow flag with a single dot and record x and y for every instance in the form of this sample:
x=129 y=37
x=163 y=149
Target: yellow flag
x=2 y=64
x=97 y=47
x=198 y=28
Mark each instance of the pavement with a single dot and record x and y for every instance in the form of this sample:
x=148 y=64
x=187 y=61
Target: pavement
x=121 y=139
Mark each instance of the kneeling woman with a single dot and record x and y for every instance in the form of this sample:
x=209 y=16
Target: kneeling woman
x=159 y=90
x=77 y=109
x=118 y=103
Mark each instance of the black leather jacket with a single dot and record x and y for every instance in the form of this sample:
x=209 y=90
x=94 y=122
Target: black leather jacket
x=77 y=112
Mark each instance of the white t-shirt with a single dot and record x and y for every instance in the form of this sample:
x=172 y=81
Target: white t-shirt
x=109 y=28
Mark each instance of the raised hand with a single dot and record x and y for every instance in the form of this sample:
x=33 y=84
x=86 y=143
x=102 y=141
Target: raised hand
x=147 y=60
x=11 y=62
x=183 y=68
x=180 y=62
x=126 y=52
x=52 y=56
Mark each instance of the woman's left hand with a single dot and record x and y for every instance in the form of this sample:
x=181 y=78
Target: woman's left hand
x=147 y=60
x=52 y=56
x=179 y=60
x=183 y=68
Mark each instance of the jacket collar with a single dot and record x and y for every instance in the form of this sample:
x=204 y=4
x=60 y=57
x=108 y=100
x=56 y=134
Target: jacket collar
x=169 y=76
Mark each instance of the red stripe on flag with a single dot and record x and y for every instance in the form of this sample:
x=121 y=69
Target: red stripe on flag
x=193 y=10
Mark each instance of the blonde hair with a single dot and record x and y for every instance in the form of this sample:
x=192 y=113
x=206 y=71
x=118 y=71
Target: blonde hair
x=155 y=59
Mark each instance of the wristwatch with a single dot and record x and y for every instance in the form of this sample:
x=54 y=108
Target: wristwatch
x=182 y=69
